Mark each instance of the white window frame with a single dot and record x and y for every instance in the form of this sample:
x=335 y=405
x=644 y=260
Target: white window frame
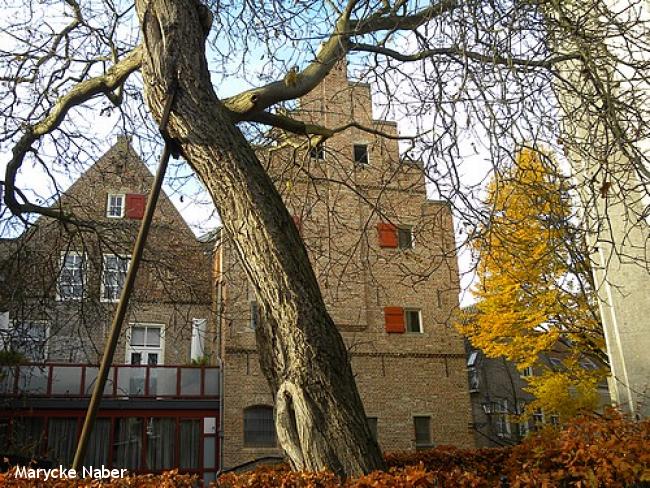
x=406 y=325
x=527 y=372
x=122 y=196
x=102 y=290
x=160 y=349
x=82 y=267
x=501 y=419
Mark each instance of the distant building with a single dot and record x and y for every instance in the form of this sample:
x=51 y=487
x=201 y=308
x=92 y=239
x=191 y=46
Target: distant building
x=498 y=392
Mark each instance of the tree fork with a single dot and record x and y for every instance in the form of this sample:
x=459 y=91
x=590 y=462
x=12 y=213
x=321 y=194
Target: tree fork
x=321 y=422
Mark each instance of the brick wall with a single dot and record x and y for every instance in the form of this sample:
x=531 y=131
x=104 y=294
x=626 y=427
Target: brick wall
x=339 y=205
x=173 y=283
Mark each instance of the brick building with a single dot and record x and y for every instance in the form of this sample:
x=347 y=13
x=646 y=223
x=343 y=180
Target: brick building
x=384 y=256
x=59 y=287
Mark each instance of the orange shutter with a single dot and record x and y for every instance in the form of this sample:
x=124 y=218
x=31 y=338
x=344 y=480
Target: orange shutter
x=135 y=206
x=394 y=317
x=387 y=235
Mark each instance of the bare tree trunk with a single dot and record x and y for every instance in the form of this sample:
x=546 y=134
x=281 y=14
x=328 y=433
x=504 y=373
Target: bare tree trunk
x=320 y=419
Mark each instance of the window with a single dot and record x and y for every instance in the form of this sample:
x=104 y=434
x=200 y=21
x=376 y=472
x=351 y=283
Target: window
x=29 y=337
x=255 y=314
x=115 y=205
x=259 y=427
x=317 y=152
x=412 y=319
x=71 y=286
x=472 y=359
x=361 y=154
x=522 y=425
x=501 y=418
x=113 y=276
x=474 y=380
x=405 y=237
x=538 y=418
x=587 y=363
x=527 y=372
x=422 y=426
x=145 y=344
x=372 y=423
x=556 y=364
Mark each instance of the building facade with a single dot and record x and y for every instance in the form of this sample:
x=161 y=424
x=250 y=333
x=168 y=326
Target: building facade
x=60 y=286
x=385 y=258
x=384 y=255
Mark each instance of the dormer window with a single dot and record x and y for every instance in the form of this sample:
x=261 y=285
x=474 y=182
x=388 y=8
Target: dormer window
x=361 y=154
x=115 y=205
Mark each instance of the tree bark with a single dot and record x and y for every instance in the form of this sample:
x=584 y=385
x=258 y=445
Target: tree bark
x=320 y=418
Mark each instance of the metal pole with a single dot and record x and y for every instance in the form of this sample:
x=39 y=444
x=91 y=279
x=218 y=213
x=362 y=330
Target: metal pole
x=125 y=295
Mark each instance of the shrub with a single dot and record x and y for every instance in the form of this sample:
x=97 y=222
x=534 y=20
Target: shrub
x=595 y=451
x=169 y=479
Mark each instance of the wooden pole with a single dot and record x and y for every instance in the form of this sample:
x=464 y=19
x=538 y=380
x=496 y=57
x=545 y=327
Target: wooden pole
x=125 y=295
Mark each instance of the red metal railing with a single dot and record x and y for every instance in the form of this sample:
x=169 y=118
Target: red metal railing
x=124 y=381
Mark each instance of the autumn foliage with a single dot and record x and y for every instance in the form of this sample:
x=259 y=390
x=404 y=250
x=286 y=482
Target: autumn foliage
x=594 y=451
x=534 y=286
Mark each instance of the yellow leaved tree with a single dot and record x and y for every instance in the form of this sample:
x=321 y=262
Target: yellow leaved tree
x=534 y=287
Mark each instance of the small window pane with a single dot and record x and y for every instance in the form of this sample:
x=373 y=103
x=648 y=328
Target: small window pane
x=161 y=441
x=190 y=432
x=61 y=440
x=413 y=321
x=153 y=337
x=259 y=427
x=190 y=381
x=474 y=380
x=422 y=431
x=471 y=360
x=137 y=336
x=255 y=314
x=115 y=206
x=405 y=237
x=127 y=446
x=361 y=154
x=71 y=277
x=209 y=452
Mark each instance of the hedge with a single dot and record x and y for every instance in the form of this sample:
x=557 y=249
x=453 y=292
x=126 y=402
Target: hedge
x=599 y=451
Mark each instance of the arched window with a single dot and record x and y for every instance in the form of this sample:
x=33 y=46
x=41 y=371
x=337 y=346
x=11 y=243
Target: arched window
x=259 y=426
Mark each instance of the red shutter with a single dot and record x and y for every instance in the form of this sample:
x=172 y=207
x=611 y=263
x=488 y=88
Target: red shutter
x=135 y=206
x=387 y=235
x=298 y=221
x=394 y=317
